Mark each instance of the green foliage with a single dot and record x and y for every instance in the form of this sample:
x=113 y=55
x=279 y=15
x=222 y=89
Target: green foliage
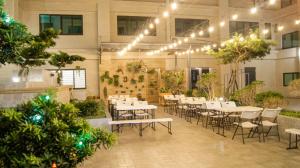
x=270 y=99
x=207 y=84
x=90 y=107
x=246 y=95
x=173 y=81
x=238 y=50
x=120 y=70
x=242 y=49
x=189 y=93
x=133 y=81
x=61 y=59
x=43 y=130
x=136 y=67
x=116 y=80
x=151 y=71
x=290 y=113
x=141 y=78
x=163 y=90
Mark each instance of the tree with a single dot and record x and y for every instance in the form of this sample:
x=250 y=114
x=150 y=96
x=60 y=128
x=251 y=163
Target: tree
x=42 y=132
x=18 y=46
x=173 y=81
x=207 y=84
x=238 y=50
x=60 y=60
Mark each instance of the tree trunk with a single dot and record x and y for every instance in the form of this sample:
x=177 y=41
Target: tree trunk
x=232 y=84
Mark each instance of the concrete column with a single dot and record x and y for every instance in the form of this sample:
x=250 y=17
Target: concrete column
x=12 y=8
x=224 y=16
x=103 y=18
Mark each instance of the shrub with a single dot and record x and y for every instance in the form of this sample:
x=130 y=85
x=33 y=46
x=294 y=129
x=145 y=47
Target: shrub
x=270 y=99
x=189 y=93
x=43 y=131
x=290 y=113
x=90 y=107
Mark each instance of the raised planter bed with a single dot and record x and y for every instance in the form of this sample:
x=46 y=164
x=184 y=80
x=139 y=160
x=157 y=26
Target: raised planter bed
x=286 y=122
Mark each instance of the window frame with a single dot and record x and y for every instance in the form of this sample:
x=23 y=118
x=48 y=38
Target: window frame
x=296 y=75
x=284 y=4
x=206 y=34
x=292 y=46
x=61 y=24
x=154 y=30
x=70 y=69
x=242 y=24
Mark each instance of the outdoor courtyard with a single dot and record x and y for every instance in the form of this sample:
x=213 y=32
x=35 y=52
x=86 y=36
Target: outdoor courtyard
x=192 y=146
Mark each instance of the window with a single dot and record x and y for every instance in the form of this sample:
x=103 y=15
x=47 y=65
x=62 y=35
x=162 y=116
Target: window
x=286 y=3
x=67 y=24
x=130 y=25
x=74 y=77
x=268 y=28
x=184 y=27
x=290 y=40
x=250 y=75
x=242 y=27
x=288 y=77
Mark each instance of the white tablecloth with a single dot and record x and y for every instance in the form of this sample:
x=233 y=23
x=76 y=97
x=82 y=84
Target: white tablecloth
x=129 y=108
x=238 y=109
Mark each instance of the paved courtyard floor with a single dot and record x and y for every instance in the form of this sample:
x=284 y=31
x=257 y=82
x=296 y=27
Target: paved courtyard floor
x=191 y=146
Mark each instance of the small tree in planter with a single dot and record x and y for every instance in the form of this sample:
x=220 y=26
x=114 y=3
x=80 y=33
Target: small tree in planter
x=238 y=50
x=60 y=60
x=173 y=81
x=42 y=132
x=294 y=88
x=207 y=84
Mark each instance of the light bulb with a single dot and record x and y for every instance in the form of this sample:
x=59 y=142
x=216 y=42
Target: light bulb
x=253 y=36
x=211 y=29
x=151 y=26
x=193 y=35
x=174 y=6
x=234 y=17
x=272 y=2
x=201 y=33
x=222 y=24
x=156 y=21
x=241 y=39
x=197 y=50
x=223 y=44
x=166 y=14
x=253 y=10
x=265 y=31
x=179 y=42
x=280 y=28
x=146 y=31
x=185 y=39
x=141 y=36
x=297 y=22
x=214 y=45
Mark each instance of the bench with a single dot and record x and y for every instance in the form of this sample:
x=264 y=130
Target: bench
x=293 y=131
x=144 y=121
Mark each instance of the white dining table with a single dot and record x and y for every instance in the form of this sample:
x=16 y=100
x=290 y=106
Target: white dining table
x=130 y=108
x=238 y=109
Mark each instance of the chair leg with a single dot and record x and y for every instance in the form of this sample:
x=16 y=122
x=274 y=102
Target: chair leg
x=235 y=132
x=198 y=119
x=278 y=133
x=243 y=135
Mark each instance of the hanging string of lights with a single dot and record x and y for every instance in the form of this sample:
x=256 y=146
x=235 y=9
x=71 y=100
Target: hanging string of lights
x=151 y=25
x=211 y=29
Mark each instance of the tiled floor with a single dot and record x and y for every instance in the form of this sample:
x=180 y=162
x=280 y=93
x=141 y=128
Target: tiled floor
x=191 y=146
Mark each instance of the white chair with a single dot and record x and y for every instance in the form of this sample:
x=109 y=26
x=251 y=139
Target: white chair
x=209 y=111
x=141 y=114
x=248 y=120
x=269 y=120
x=228 y=104
x=124 y=114
x=231 y=104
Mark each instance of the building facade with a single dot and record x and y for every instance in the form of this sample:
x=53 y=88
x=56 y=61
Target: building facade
x=109 y=25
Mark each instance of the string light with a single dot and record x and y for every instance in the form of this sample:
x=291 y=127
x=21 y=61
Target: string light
x=280 y=28
x=156 y=21
x=297 y=22
x=222 y=24
x=151 y=26
x=201 y=33
x=272 y=2
x=146 y=31
x=265 y=31
x=174 y=6
x=253 y=10
x=193 y=35
x=234 y=17
x=211 y=29
x=166 y=14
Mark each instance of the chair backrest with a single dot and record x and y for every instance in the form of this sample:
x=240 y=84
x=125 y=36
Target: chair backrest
x=228 y=104
x=183 y=101
x=271 y=113
x=250 y=115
